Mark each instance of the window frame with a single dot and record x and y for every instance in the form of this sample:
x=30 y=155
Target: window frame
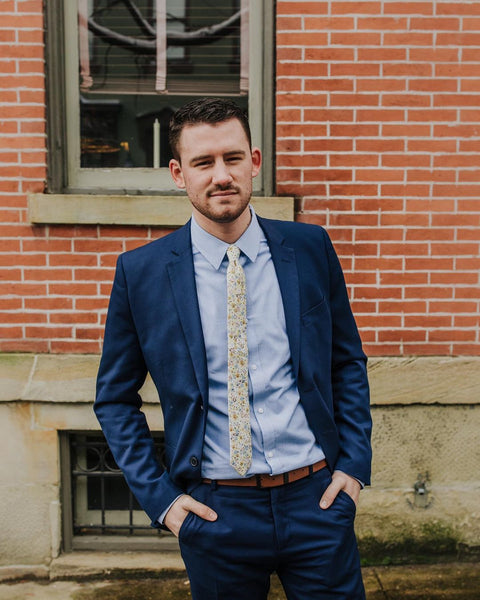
x=139 y=536
x=63 y=160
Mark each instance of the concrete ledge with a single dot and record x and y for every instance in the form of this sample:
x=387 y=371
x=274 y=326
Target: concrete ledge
x=94 y=564
x=55 y=378
x=17 y=572
x=425 y=380
x=70 y=378
x=168 y=211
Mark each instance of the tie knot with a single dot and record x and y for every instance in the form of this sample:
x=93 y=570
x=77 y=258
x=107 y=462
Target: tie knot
x=233 y=252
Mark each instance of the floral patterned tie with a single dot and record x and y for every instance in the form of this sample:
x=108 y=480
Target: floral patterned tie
x=238 y=402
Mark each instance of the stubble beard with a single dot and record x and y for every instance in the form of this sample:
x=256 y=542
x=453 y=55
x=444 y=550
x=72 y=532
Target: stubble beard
x=230 y=213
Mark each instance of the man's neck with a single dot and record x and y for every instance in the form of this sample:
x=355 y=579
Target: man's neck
x=227 y=232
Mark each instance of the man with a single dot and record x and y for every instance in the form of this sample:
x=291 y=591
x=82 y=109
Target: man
x=245 y=327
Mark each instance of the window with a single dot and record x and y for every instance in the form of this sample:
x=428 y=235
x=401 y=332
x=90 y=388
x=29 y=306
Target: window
x=97 y=503
x=126 y=65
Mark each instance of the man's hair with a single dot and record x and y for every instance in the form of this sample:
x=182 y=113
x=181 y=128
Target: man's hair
x=205 y=110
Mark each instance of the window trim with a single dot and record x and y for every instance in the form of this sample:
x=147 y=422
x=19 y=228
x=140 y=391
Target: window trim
x=63 y=98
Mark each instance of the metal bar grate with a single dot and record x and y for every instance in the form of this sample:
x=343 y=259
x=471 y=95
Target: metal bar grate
x=102 y=503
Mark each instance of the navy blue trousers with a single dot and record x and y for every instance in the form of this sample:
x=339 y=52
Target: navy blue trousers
x=282 y=530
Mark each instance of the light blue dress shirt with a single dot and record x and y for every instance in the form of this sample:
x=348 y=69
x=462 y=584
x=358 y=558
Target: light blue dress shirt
x=281 y=437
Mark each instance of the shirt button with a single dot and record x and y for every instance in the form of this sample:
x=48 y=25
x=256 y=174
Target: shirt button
x=260 y=410
x=254 y=367
x=270 y=454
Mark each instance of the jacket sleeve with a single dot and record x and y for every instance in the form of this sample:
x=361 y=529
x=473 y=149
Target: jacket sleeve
x=351 y=396
x=117 y=406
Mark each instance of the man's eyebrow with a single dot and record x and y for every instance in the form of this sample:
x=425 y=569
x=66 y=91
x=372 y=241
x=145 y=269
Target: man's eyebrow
x=197 y=159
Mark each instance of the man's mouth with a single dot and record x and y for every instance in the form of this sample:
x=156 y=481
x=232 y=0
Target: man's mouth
x=222 y=193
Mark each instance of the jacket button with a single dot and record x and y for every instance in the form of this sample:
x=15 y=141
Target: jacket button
x=194 y=461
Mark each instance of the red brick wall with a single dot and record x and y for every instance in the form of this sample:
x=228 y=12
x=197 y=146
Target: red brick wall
x=378 y=137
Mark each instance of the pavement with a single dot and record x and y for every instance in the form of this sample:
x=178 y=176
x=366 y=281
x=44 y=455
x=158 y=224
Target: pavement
x=157 y=576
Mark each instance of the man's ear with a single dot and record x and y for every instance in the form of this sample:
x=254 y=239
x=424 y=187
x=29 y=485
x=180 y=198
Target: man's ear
x=177 y=173
x=256 y=161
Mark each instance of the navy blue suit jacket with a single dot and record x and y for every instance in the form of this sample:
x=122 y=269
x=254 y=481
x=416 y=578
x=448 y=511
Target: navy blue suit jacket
x=153 y=325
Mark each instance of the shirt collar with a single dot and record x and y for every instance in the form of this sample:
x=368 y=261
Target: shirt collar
x=213 y=249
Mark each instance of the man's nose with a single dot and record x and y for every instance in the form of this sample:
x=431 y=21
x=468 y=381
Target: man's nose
x=221 y=174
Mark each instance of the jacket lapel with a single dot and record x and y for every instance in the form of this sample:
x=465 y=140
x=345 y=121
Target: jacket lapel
x=182 y=278
x=287 y=275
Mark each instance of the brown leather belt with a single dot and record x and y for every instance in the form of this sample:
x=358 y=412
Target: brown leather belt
x=268 y=481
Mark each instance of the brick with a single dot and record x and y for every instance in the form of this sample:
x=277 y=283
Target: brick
x=302 y=39
x=72 y=289
x=353 y=189
x=327 y=145
x=304 y=69
x=434 y=24
x=444 y=7
x=409 y=39
x=370 y=7
x=354 y=130
x=300 y=129
x=98 y=274
x=433 y=85
x=382 y=23
x=91 y=333
x=23 y=289
x=381 y=84
x=330 y=54
x=378 y=115
x=24 y=346
x=456 y=70
x=288 y=85
x=49 y=303
x=355 y=39
x=329 y=85
x=469 y=85
x=302 y=8
x=380 y=145
x=22 y=318
x=48 y=274
x=382 y=54
x=415 y=114
x=284 y=54
x=379 y=175
x=327 y=175
x=75 y=347
x=313 y=100
x=354 y=100
x=7 y=35
x=97 y=246
x=353 y=160
x=429 y=293
x=301 y=160
x=406 y=100
x=409 y=8
x=30 y=36
x=329 y=23
x=23 y=81
x=435 y=55
x=356 y=69
x=405 y=160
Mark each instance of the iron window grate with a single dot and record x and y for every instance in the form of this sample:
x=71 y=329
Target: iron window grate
x=102 y=503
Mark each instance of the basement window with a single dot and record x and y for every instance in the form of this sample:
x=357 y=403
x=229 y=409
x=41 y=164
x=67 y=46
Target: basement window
x=99 y=510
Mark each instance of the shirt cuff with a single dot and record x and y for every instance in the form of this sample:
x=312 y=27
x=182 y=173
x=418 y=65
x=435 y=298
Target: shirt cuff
x=161 y=518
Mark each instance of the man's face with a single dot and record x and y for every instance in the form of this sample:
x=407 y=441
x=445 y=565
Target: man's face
x=216 y=168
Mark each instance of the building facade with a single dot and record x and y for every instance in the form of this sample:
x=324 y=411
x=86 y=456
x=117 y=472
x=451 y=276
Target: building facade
x=369 y=117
